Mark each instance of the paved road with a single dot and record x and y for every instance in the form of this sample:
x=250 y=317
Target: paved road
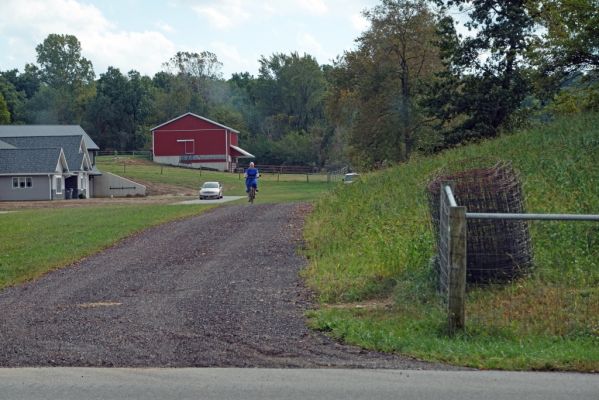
x=300 y=384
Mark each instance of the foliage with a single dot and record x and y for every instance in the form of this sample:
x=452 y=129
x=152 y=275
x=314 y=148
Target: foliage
x=485 y=80
x=121 y=106
x=375 y=88
x=575 y=100
x=570 y=43
x=16 y=88
x=4 y=113
x=67 y=80
x=61 y=62
x=372 y=240
x=291 y=86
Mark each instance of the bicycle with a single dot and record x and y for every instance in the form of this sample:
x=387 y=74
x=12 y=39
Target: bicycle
x=252 y=195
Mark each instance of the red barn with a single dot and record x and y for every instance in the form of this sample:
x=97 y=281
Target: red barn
x=197 y=142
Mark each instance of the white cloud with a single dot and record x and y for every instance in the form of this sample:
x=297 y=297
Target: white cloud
x=224 y=14
x=164 y=27
x=141 y=51
x=309 y=44
x=317 y=7
x=27 y=24
x=227 y=14
x=232 y=58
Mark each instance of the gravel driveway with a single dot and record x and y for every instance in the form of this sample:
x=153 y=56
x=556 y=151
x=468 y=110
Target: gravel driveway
x=220 y=290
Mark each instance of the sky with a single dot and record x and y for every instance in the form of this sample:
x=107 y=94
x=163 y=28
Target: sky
x=143 y=34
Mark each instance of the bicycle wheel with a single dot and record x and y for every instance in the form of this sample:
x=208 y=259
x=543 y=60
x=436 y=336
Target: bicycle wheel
x=252 y=194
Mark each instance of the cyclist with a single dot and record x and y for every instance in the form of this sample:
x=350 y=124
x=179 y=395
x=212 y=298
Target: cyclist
x=251 y=177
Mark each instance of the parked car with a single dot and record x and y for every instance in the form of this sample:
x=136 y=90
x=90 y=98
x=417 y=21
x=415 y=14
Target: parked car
x=350 y=177
x=211 y=190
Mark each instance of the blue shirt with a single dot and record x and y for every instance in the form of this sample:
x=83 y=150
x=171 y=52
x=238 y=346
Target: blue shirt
x=252 y=173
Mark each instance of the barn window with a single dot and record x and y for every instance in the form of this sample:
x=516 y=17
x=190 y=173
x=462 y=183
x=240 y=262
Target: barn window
x=189 y=145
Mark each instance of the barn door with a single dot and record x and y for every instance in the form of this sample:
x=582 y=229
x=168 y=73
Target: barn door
x=189 y=147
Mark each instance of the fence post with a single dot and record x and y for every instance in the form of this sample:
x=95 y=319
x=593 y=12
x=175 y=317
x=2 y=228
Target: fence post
x=457 y=269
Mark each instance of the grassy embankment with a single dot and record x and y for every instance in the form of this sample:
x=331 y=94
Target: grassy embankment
x=35 y=241
x=370 y=245
x=274 y=188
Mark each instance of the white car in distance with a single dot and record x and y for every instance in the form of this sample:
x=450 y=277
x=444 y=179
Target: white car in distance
x=211 y=190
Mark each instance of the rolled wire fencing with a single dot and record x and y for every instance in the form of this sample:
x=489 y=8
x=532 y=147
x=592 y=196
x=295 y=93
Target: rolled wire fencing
x=502 y=288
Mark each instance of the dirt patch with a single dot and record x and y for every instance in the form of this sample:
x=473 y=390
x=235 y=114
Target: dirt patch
x=162 y=189
x=377 y=304
x=218 y=290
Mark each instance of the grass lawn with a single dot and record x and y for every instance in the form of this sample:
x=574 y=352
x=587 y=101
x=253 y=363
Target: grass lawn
x=274 y=188
x=33 y=242
x=371 y=242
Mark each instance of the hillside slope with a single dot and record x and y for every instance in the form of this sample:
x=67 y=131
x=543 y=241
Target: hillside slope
x=373 y=240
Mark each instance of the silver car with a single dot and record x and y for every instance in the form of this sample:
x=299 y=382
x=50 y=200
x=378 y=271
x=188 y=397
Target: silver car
x=211 y=190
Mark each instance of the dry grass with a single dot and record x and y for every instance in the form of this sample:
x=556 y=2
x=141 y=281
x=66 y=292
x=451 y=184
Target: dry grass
x=531 y=308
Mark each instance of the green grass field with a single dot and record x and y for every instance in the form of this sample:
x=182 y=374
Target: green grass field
x=370 y=243
x=273 y=187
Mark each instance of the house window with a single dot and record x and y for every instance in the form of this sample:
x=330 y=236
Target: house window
x=22 y=182
x=59 y=185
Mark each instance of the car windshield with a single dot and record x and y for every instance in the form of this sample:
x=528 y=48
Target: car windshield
x=210 y=185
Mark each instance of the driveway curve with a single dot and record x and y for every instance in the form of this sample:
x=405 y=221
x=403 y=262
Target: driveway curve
x=217 y=290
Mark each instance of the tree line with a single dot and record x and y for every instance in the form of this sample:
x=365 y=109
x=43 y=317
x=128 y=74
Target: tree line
x=412 y=84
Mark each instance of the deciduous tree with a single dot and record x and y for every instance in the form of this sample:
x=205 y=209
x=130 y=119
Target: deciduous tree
x=376 y=86
x=487 y=80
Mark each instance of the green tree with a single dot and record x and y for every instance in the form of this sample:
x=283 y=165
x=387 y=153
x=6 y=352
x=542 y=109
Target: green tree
x=14 y=100
x=201 y=73
x=487 y=81
x=4 y=113
x=27 y=82
x=568 y=47
x=571 y=38
x=67 y=78
x=118 y=115
x=173 y=97
x=375 y=88
x=61 y=62
x=289 y=92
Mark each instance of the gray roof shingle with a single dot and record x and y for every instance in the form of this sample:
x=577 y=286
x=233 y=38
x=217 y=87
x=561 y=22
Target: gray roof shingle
x=29 y=161
x=4 y=145
x=70 y=145
x=47 y=130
